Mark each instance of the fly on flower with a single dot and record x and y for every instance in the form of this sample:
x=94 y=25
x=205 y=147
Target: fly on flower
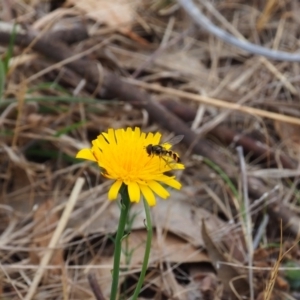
x=163 y=150
x=142 y=175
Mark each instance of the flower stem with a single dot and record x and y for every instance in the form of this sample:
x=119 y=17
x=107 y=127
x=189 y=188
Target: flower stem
x=147 y=251
x=125 y=205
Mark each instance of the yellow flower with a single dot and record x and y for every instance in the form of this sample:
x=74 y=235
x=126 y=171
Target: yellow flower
x=123 y=157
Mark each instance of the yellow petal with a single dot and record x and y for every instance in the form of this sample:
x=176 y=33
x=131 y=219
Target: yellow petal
x=96 y=143
x=169 y=181
x=134 y=192
x=179 y=166
x=143 y=135
x=101 y=142
x=156 y=138
x=105 y=134
x=137 y=133
x=148 y=194
x=86 y=154
x=97 y=153
x=158 y=189
x=149 y=139
x=129 y=131
x=114 y=190
x=119 y=136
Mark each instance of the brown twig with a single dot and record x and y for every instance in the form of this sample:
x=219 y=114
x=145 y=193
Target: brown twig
x=71 y=35
x=95 y=286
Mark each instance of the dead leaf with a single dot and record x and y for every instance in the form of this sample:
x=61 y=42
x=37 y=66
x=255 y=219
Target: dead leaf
x=281 y=283
x=227 y=274
x=168 y=285
x=119 y=14
x=208 y=286
x=17 y=179
x=103 y=274
x=175 y=215
x=290 y=136
x=174 y=249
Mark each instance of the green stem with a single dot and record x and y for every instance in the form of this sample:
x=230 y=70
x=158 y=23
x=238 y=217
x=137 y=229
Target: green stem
x=125 y=205
x=147 y=251
x=223 y=175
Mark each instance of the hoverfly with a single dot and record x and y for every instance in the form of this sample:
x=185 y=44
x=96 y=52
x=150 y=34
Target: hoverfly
x=161 y=150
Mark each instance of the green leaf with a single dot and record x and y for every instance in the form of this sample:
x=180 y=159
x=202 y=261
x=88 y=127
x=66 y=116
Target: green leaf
x=293 y=276
x=10 y=48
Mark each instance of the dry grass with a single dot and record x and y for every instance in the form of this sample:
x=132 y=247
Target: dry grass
x=56 y=230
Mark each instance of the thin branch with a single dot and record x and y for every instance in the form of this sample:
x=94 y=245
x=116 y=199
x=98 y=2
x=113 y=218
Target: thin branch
x=55 y=238
x=95 y=286
x=246 y=216
x=201 y=20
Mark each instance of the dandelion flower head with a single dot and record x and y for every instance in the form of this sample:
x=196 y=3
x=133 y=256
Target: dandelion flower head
x=122 y=157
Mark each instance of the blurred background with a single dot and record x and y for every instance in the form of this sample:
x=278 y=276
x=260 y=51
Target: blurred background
x=225 y=74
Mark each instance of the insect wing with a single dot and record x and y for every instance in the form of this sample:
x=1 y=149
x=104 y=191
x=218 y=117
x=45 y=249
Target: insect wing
x=174 y=140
